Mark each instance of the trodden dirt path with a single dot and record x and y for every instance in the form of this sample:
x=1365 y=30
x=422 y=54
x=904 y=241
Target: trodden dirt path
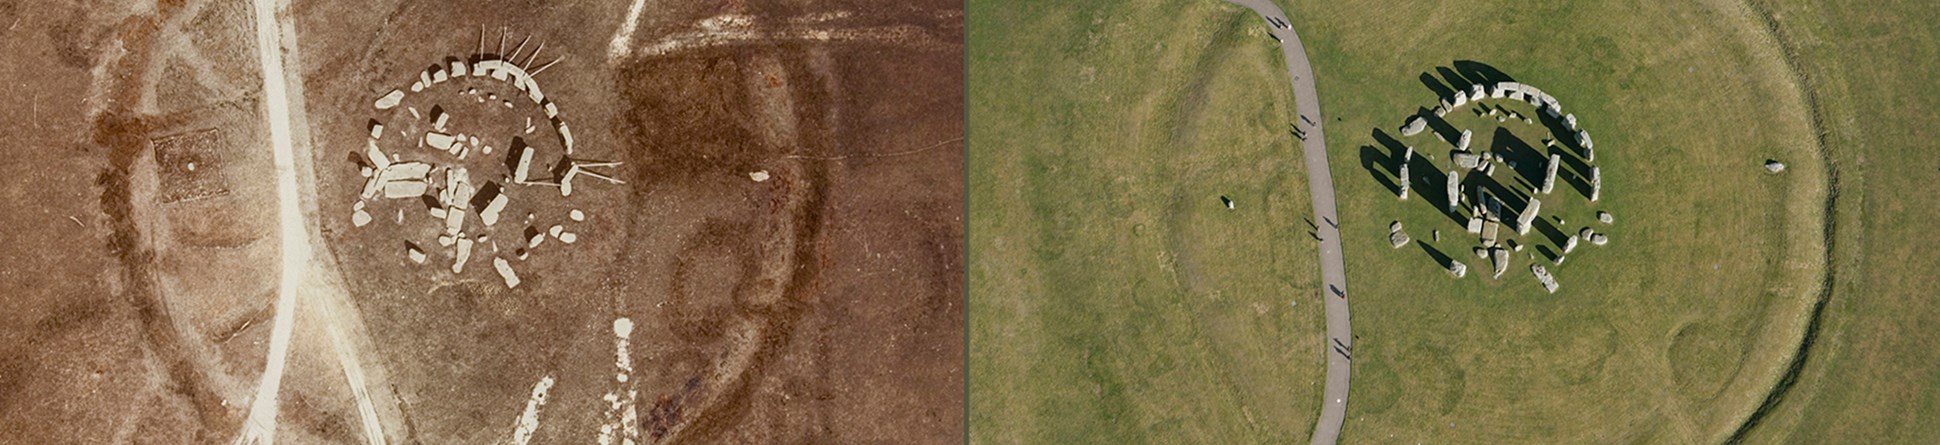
x=304 y=277
x=1320 y=182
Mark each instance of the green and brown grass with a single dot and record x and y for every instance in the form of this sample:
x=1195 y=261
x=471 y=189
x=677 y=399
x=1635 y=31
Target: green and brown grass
x=1099 y=247
x=1116 y=300
x=1674 y=332
x=1872 y=374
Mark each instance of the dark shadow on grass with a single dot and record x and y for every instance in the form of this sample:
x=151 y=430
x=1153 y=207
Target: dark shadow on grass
x=1481 y=72
x=1435 y=85
x=1437 y=255
x=1376 y=162
x=1550 y=231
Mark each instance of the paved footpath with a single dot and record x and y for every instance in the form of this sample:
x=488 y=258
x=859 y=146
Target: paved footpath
x=1320 y=182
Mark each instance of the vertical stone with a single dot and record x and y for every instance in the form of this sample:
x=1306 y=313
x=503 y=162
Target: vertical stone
x=1404 y=181
x=1462 y=144
x=1454 y=190
x=1528 y=216
x=1549 y=179
x=1596 y=182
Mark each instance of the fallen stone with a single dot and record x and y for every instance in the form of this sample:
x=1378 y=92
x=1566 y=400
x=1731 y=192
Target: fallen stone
x=1414 y=126
x=568 y=237
x=1394 y=226
x=1499 y=259
x=577 y=215
x=360 y=218
x=1482 y=252
x=1465 y=159
x=1542 y=276
x=1605 y=217
x=1774 y=166
x=1585 y=233
x=412 y=251
x=1398 y=239
x=759 y=176
x=1599 y=239
x=464 y=255
x=505 y=271
x=390 y=100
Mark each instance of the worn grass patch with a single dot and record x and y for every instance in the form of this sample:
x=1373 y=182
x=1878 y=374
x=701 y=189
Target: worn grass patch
x=1116 y=300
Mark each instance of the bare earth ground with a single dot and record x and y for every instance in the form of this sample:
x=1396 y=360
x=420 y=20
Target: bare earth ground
x=821 y=305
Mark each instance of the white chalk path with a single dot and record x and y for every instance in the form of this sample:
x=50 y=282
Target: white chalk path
x=274 y=34
x=622 y=45
x=260 y=426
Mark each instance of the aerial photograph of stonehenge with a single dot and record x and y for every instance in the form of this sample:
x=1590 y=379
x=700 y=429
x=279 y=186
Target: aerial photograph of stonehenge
x=505 y=222
x=989 y=222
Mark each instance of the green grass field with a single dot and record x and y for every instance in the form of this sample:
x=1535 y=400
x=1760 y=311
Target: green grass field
x=1873 y=373
x=1117 y=301
x=1113 y=301
x=1672 y=333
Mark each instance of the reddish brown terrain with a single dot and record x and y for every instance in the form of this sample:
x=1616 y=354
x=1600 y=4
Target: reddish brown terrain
x=782 y=252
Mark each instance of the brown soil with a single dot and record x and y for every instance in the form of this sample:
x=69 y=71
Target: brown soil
x=821 y=305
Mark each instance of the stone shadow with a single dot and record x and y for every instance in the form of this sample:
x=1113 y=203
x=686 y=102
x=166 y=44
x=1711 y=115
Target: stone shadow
x=1437 y=255
x=1376 y=162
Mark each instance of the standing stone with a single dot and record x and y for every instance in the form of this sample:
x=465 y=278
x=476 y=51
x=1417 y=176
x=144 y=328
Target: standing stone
x=1570 y=120
x=1458 y=269
x=1589 y=154
x=1478 y=92
x=1408 y=156
x=1583 y=139
x=1596 y=183
x=1549 y=179
x=1528 y=216
x=1454 y=190
x=1404 y=181
x=1467 y=136
x=1568 y=245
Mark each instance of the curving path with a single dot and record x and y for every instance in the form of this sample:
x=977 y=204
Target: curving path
x=1320 y=182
